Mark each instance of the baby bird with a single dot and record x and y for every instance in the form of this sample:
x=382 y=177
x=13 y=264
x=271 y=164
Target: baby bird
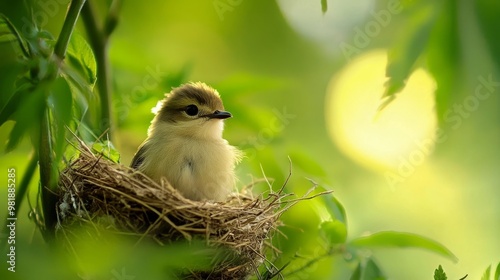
x=185 y=144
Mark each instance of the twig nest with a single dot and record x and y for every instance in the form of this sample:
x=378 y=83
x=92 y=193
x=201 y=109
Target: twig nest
x=94 y=189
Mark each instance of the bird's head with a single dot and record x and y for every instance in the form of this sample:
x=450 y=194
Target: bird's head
x=193 y=109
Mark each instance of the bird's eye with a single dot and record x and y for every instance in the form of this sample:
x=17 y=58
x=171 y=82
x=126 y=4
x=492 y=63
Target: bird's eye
x=191 y=110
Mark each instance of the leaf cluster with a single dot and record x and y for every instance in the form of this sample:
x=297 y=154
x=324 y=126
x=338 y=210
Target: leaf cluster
x=430 y=36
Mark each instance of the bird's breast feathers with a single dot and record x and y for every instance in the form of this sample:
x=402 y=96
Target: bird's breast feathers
x=198 y=168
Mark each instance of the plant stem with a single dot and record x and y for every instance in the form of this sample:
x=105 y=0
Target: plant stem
x=48 y=169
x=98 y=39
x=68 y=27
x=331 y=251
x=46 y=177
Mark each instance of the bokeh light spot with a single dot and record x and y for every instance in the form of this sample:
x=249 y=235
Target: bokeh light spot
x=376 y=139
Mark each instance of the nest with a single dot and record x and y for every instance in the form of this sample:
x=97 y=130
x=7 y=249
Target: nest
x=93 y=188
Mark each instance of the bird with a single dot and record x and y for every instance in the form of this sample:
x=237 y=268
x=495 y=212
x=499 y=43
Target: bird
x=185 y=146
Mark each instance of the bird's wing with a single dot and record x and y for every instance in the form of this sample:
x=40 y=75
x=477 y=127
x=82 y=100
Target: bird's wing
x=139 y=156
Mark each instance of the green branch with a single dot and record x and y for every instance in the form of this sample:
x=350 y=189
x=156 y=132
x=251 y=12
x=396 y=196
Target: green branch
x=69 y=25
x=331 y=251
x=98 y=39
x=46 y=177
x=48 y=169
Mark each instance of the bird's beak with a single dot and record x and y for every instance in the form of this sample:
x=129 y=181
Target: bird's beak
x=218 y=115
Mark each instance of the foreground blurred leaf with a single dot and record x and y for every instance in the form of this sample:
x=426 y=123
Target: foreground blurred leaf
x=439 y=274
x=409 y=45
x=393 y=239
x=367 y=270
x=444 y=58
x=489 y=22
x=486 y=274
x=356 y=275
x=324 y=6
x=97 y=254
x=101 y=253
x=497 y=272
x=372 y=271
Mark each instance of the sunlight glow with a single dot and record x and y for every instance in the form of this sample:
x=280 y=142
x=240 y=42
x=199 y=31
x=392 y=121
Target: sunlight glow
x=379 y=140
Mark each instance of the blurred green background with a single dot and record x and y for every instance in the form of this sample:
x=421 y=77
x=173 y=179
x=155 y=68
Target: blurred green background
x=306 y=84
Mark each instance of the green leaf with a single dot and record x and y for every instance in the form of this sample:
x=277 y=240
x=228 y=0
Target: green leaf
x=393 y=239
x=78 y=86
x=13 y=102
x=28 y=115
x=372 y=271
x=82 y=93
x=444 y=57
x=486 y=274
x=497 y=272
x=356 y=275
x=81 y=58
x=439 y=274
x=335 y=208
x=7 y=37
x=334 y=232
x=107 y=149
x=489 y=22
x=367 y=270
x=324 y=6
x=71 y=153
x=22 y=44
x=60 y=103
x=408 y=46
x=81 y=104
